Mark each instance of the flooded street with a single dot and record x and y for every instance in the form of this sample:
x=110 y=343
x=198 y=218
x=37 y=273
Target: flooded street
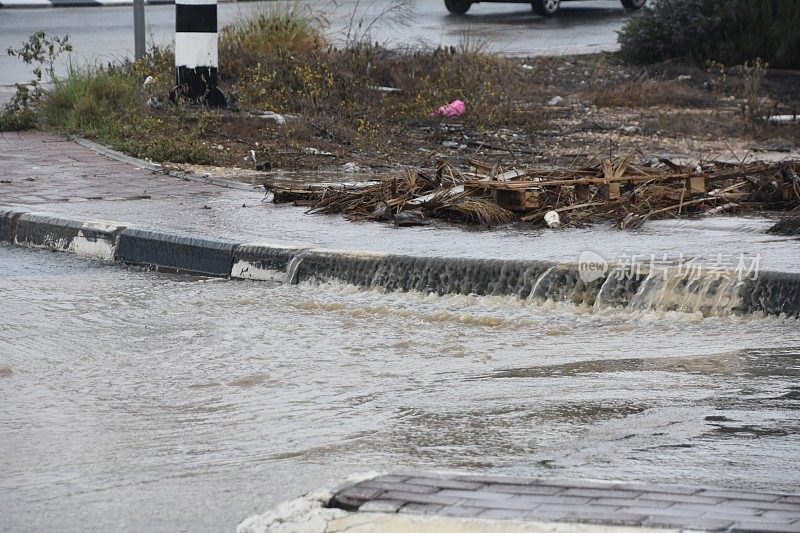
x=103 y=34
x=133 y=400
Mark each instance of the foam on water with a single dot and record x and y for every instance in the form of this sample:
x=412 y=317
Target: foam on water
x=661 y=288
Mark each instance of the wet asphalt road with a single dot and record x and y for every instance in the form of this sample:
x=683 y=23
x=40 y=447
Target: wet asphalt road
x=102 y=34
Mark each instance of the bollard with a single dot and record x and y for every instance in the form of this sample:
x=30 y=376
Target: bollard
x=196 y=52
x=138 y=29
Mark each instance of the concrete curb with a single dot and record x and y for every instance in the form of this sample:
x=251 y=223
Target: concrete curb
x=176 y=253
x=8 y=223
x=770 y=293
x=47 y=231
x=265 y=262
x=774 y=293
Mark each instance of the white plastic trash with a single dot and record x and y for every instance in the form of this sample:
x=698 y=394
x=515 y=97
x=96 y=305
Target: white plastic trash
x=552 y=219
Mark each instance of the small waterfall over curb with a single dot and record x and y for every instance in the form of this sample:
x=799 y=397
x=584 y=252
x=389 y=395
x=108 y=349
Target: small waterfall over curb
x=630 y=288
x=619 y=287
x=673 y=289
x=292 y=267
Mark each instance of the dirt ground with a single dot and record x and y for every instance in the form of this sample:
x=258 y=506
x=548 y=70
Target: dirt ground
x=584 y=105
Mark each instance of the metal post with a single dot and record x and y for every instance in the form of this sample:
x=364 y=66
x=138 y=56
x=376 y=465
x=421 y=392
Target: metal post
x=138 y=28
x=196 y=52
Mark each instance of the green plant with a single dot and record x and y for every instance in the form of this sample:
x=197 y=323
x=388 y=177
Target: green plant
x=42 y=52
x=280 y=29
x=109 y=105
x=729 y=31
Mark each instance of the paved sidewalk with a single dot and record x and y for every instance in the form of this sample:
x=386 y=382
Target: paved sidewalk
x=575 y=501
x=50 y=173
x=40 y=168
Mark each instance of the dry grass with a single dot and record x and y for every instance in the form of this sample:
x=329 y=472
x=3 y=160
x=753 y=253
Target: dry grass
x=278 y=60
x=644 y=92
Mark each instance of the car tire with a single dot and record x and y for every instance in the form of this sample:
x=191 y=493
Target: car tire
x=633 y=5
x=545 y=8
x=457 y=7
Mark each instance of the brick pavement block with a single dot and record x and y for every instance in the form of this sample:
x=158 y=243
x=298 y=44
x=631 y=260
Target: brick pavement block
x=621 y=502
x=740 y=495
x=477 y=494
x=601 y=493
x=742 y=527
x=785 y=515
x=707 y=524
x=358 y=493
x=512 y=504
x=458 y=511
x=507 y=480
x=545 y=515
x=388 y=478
x=657 y=489
x=725 y=511
x=680 y=498
x=421 y=508
x=542 y=499
x=524 y=489
x=381 y=506
x=419 y=498
x=605 y=517
x=422 y=489
x=578 y=483
x=444 y=483
x=503 y=514
x=701 y=508
x=658 y=511
x=772 y=506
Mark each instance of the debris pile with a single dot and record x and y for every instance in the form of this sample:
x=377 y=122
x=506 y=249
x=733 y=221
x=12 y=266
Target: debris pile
x=622 y=191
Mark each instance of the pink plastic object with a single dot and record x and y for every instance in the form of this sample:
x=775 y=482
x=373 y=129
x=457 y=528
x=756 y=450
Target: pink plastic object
x=455 y=108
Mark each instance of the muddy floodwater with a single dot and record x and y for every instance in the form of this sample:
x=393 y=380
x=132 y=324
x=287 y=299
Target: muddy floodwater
x=142 y=401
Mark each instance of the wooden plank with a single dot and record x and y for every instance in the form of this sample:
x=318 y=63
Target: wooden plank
x=613 y=190
x=696 y=184
x=517 y=200
x=623 y=166
x=612 y=187
x=608 y=170
x=526 y=184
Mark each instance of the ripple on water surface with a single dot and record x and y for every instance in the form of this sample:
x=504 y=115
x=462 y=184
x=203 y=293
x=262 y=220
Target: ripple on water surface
x=143 y=400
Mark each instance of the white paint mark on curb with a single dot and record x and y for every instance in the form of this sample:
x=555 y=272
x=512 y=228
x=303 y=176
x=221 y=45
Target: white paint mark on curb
x=97 y=240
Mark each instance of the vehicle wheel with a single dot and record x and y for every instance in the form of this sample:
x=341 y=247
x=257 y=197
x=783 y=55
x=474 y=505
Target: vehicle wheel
x=457 y=7
x=545 y=8
x=633 y=4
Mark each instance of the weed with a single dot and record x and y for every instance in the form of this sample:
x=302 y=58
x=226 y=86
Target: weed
x=729 y=31
x=42 y=52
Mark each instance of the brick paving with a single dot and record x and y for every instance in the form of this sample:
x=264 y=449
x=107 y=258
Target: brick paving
x=578 y=501
x=41 y=168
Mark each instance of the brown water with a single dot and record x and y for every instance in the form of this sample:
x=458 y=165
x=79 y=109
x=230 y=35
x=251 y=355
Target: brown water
x=140 y=401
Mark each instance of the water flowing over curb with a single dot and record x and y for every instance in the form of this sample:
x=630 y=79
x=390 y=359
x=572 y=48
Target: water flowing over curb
x=663 y=289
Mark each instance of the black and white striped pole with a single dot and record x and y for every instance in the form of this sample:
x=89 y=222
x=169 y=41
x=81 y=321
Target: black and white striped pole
x=196 y=52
